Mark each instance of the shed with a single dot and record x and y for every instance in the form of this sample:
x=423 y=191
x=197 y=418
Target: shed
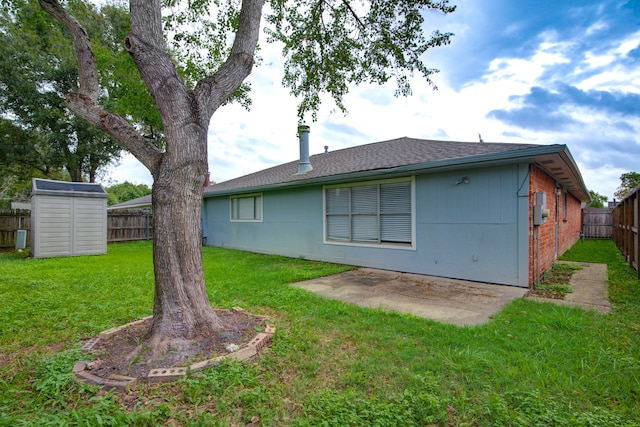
x=68 y=218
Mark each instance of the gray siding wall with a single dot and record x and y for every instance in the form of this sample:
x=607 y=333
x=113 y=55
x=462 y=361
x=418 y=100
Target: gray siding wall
x=476 y=231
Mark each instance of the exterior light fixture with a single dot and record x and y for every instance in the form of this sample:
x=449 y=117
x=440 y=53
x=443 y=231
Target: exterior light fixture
x=463 y=180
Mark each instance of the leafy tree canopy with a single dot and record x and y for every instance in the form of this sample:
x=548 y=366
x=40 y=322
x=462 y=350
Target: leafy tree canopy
x=126 y=191
x=328 y=45
x=597 y=200
x=628 y=181
x=38 y=68
x=19 y=162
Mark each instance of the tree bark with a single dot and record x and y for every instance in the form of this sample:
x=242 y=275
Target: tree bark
x=181 y=311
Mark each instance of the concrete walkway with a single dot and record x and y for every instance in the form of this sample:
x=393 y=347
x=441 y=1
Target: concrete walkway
x=589 y=288
x=458 y=302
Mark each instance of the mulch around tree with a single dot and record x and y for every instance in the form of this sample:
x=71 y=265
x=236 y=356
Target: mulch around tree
x=123 y=352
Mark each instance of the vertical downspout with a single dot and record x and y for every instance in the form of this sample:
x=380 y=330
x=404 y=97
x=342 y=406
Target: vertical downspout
x=537 y=279
x=557 y=237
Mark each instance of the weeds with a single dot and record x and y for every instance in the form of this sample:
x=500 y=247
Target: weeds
x=555 y=283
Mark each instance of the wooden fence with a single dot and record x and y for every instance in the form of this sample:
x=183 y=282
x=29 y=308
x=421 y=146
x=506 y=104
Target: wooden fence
x=10 y=221
x=597 y=223
x=126 y=225
x=625 y=227
x=122 y=225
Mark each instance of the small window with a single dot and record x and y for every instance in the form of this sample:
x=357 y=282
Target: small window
x=246 y=208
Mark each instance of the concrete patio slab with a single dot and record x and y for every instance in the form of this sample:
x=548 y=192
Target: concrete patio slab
x=454 y=301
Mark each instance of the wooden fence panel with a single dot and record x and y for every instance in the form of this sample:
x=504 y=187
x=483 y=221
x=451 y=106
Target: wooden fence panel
x=597 y=223
x=625 y=227
x=122 y=225
x=10 y=221
x=128 y=225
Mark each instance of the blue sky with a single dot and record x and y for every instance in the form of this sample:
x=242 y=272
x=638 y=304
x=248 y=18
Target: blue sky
x=545 y=72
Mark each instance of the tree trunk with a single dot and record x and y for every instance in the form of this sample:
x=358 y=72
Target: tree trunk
x=182 y=312
x=74 y=171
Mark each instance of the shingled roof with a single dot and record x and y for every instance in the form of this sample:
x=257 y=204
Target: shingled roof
x=143 y=202
x=404 y=155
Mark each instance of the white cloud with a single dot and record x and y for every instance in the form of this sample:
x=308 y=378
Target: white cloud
x=630 y=43
x=596 y=27
x=615 y=76
x=594 y=61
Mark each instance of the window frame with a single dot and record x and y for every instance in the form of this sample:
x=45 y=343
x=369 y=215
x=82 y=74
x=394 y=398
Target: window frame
x=371 y=244
x=259 y=210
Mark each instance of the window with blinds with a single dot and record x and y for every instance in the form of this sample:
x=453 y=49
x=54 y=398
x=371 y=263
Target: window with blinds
x=370 y=213
x=246 y=208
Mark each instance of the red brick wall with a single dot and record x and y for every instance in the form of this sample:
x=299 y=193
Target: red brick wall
x=565 y=216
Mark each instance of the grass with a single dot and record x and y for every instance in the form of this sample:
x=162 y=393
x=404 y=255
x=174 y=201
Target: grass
x=330 y=363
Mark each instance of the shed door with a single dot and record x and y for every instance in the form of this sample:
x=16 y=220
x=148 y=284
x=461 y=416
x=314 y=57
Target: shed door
x=52 y=227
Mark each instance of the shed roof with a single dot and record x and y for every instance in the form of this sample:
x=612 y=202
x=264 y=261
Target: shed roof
x=408 y=155
x=76 y=189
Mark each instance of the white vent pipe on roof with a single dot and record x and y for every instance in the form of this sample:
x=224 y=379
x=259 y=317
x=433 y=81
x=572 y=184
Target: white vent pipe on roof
x=303 y=136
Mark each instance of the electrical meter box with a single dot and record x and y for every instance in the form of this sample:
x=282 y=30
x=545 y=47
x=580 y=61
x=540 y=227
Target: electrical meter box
x=540 y=211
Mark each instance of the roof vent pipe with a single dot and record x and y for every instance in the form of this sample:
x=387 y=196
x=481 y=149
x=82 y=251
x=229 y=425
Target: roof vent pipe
x=303 y=136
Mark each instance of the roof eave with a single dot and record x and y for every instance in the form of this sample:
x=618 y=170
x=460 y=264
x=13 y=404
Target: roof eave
x=530 y=155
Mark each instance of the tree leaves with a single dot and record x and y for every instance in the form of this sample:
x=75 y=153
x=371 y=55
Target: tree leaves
x=597 y=200
x=628 y=182
x=199 y=34
x=328 y=44
x=331 y=44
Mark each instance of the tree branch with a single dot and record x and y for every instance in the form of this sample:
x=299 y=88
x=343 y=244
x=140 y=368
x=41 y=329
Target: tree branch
x=354 y=14
x=121 y=130
x=84 y=102
x=178 y=107
x=214 y=90
x=87 y=68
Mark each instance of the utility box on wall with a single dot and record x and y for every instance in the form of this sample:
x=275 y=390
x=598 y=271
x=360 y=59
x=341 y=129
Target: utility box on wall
x=68 y=218
x=540 y=211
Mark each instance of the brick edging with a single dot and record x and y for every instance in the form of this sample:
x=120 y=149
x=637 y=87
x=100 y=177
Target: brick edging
x=123 y=383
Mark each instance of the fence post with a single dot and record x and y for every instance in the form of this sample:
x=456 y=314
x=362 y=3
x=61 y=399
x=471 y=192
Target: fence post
x=625 y=227
x=146 y=228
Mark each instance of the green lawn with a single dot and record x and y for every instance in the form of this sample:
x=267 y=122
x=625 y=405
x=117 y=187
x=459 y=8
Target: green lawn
x=330 y=363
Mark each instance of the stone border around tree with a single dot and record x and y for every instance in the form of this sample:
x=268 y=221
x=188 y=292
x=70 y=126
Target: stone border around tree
x=82 y=369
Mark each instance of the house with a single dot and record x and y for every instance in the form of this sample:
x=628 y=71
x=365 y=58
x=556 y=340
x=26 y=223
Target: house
x=491 y=212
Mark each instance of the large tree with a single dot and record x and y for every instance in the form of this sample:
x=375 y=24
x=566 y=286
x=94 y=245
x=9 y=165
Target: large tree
x=328 y=45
